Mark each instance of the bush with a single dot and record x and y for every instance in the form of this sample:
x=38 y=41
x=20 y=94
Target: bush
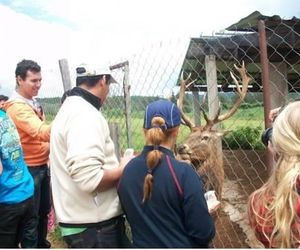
x=243 y=138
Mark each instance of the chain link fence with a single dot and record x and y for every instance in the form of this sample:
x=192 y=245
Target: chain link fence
x=153 y=73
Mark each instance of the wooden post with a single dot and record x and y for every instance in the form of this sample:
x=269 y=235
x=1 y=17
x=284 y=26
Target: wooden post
x=264 y=61
x=278 y=84
x=115 y=136
x=212 y=86
x=197 y=111
x=65 y=74
x=127 y=102
x=212 y=95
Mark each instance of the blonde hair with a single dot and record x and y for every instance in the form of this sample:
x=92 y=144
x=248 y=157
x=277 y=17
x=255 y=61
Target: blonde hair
x=279 y=195
x=154 y=136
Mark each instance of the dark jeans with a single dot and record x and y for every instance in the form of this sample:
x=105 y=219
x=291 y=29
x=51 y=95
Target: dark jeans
x=41 y=202
x=107 y=235
x=18 y=225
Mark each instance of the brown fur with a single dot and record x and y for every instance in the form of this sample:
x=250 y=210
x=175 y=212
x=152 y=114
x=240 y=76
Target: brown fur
x=203 y=146
x=200 y=149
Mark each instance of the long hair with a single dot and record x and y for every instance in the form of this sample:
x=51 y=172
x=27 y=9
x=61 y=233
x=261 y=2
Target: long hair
x=155 y=136
x=279 y=196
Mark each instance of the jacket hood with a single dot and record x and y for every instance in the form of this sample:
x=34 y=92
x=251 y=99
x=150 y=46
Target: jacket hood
x=10 y=102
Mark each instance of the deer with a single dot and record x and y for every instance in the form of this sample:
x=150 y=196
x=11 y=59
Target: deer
x=201 y=146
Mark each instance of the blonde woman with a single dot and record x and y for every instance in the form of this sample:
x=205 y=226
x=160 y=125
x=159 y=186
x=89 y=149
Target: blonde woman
x=162 y=197
x=274 y=209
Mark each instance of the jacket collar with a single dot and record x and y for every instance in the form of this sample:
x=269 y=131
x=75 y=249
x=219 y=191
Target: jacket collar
x=166 y=151
x=86 y=95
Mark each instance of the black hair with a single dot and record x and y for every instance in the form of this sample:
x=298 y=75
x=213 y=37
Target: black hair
x=26 y=65
x=90 y=80
x=3 y=98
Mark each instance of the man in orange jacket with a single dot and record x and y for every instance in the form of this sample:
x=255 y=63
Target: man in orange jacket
x=29 y=119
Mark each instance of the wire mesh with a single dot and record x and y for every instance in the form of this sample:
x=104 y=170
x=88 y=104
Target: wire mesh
x=153 y=73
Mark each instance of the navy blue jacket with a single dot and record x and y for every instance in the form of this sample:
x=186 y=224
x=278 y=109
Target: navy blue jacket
x=167 y=219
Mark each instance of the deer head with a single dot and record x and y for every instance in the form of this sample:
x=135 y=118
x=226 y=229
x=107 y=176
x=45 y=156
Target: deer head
x=201 y=146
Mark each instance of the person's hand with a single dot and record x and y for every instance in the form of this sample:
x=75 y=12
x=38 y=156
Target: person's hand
x=214 y=208
x=273 y=114
x=213 y=204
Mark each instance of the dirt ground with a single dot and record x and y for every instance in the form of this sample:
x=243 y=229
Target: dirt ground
x=245 y=171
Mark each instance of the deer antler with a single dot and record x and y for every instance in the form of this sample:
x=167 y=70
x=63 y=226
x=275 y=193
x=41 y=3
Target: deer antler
x=241 y=92
x=183 y=86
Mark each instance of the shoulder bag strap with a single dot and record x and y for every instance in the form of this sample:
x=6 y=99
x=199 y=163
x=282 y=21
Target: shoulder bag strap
x=174 y=176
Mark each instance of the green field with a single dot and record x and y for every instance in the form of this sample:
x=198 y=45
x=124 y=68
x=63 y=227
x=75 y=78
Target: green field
x=248 y=115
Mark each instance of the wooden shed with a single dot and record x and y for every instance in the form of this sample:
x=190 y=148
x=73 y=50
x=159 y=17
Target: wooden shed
x=270 y=47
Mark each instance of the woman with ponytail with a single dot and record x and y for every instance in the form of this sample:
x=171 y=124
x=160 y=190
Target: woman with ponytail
x=163 y=198
x=274 y=209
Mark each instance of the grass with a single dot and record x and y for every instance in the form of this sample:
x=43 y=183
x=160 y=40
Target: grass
x=252 y=117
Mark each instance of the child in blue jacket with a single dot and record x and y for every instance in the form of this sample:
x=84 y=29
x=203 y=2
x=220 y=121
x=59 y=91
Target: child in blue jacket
x=17 y=216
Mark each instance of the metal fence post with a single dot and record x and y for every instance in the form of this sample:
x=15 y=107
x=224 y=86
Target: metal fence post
x=127 y=100
x=265 y=82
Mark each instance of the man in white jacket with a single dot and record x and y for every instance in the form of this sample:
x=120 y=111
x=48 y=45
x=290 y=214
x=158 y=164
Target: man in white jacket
x=84 y=167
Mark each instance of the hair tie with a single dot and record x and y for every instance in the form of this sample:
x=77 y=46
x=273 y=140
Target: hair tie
x=149 y=171
x=155 y=126
x=155 y=147
x=162 y=127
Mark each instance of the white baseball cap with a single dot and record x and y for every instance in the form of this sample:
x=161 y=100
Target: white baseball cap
x=86 y=71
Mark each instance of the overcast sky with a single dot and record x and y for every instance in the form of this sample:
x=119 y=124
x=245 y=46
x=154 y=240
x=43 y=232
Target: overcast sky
x=110 y=31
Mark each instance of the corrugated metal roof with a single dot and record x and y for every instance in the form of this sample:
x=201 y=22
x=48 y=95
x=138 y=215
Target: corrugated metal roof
x=249 y=23
x=283 y=44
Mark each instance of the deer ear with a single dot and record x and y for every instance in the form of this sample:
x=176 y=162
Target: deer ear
x=222 y=133
x=226 y=132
